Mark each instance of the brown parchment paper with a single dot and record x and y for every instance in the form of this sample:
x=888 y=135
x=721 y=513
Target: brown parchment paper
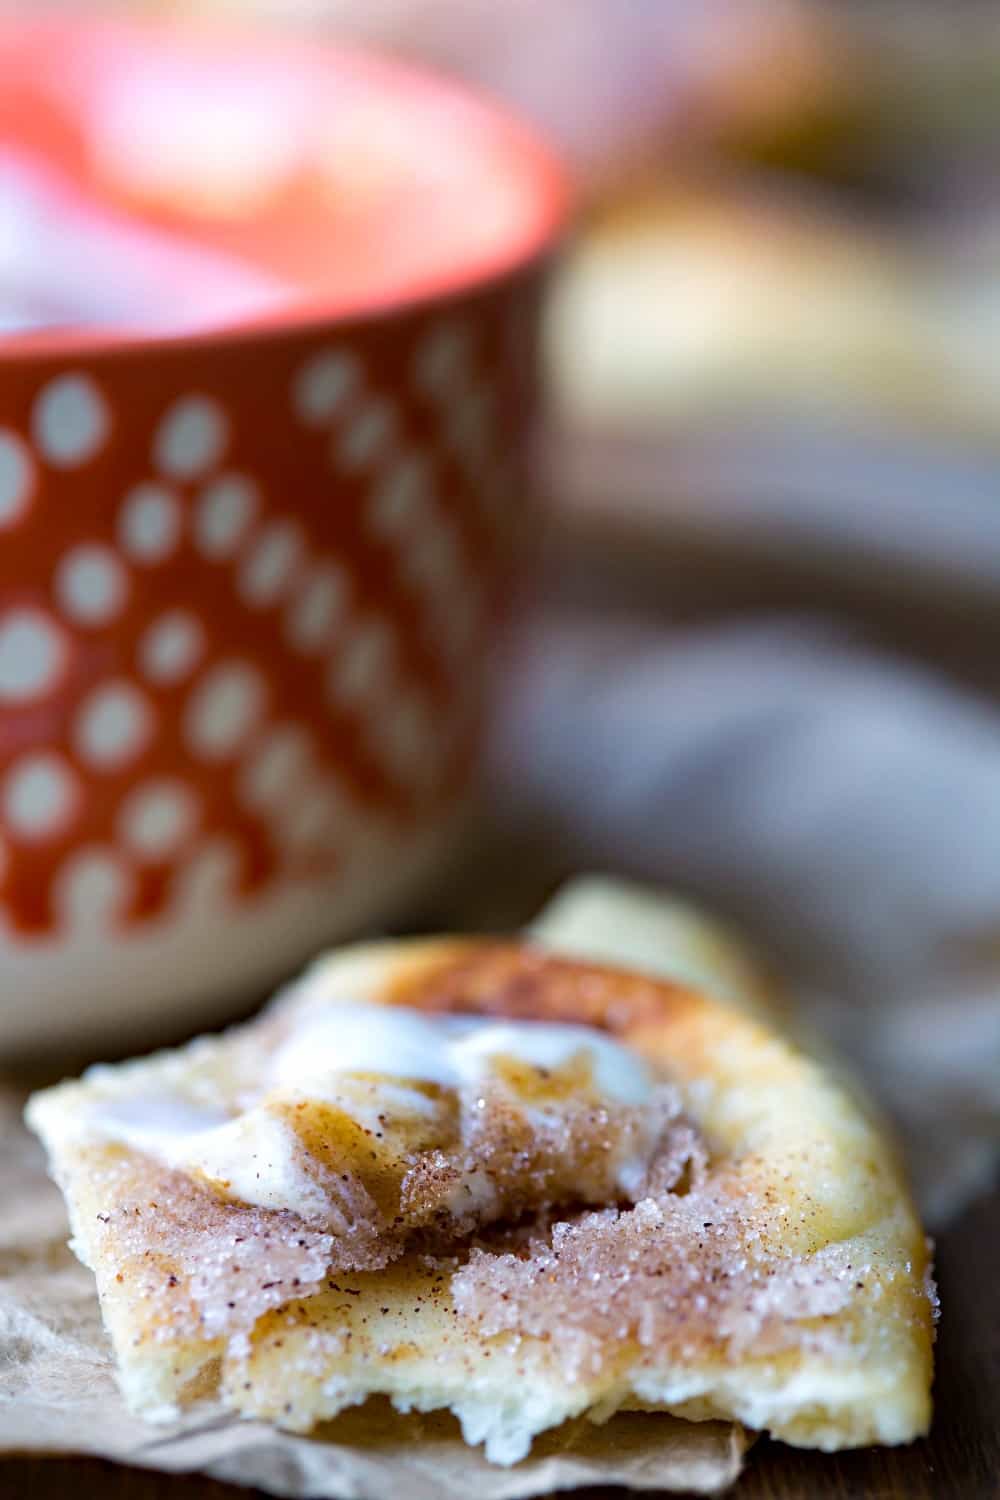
x=58 y=1395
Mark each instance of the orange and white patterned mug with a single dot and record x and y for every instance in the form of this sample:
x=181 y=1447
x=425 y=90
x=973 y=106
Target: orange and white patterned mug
x=248 y=567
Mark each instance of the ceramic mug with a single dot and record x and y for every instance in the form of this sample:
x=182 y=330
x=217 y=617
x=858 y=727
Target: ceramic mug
x=249 y=564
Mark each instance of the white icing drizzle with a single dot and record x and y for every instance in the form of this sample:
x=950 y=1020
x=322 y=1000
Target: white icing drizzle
x=446 y=1050
x=254 y=1155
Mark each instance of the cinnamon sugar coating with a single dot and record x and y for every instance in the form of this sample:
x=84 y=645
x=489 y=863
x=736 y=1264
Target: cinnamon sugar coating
x=524 y=1250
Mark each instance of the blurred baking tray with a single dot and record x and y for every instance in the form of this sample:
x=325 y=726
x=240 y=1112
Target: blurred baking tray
x=917 y=519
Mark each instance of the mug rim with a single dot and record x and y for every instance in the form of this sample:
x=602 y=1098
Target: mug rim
x=532 y=160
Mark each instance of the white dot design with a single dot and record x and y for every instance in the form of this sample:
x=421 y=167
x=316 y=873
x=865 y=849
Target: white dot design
x=92 y=888
x=366 y=437
x=319 y=607
x=363 y=667
x=191 y=437
x=433 y=565
x=277 y=766
x=70 y=421
x=318 y=821
x=323 y=385
x=172 y=647
x=223 y=714
x=223 y=709
x=149 y=524
x=39 y=796
x=397 y=504
x=429 y=552
x=444 y=371
x=401 y=510
x=91 y=584
x=281 y=775
x=32 y=655
x=158 y=818
x=114 y=725
x=224 y=513
x=270 y=564
x=363 y=432
x=17 y=478
x=207 y=879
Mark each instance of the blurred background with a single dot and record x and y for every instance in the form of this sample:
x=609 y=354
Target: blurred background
x=755 y=656
x=755 y=653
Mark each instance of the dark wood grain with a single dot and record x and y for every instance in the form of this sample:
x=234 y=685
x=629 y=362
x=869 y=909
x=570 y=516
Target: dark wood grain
x=959 y=1461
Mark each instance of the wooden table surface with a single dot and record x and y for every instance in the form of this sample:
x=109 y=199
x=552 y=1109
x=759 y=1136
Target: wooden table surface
x=960 y=1460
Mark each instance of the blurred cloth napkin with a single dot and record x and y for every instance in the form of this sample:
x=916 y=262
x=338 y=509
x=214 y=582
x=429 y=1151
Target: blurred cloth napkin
x=843 y=807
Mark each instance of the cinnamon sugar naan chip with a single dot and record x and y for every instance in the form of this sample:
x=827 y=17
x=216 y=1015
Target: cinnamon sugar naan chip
x=499 y=1179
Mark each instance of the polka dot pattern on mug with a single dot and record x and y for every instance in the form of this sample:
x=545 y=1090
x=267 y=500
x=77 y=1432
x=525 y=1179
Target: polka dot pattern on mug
x=240 y=638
